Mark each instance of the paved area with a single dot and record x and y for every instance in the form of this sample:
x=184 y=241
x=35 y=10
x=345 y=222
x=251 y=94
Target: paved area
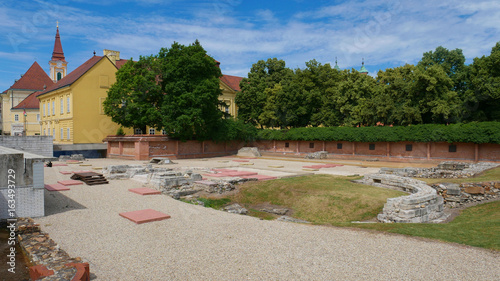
x=199 y=243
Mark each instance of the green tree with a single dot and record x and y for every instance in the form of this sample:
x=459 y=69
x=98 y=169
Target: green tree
x=252 y=98
x=482 y=100
x=176 y=90
x=452 y=62
x=135 y=98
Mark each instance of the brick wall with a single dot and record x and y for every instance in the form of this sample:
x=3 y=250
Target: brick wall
x=146 y=147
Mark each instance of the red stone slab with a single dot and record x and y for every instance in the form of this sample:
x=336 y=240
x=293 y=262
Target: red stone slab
x=66 y=172
x=144 y=191
x=70 y=182
x=56 y=187
x=143 y=216
x=83 y=171
x=241 y=161
x=260 y=177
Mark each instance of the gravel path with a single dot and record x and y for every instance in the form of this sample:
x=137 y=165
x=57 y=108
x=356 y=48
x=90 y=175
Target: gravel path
x=198 y=243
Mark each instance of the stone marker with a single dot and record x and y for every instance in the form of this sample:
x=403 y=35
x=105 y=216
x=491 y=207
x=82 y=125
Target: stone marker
x=249 y=152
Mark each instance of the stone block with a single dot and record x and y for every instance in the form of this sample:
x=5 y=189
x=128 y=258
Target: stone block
x=472 y=189
x=249 y=152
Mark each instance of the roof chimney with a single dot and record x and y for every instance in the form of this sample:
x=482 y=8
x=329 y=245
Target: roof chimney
x=112 y=55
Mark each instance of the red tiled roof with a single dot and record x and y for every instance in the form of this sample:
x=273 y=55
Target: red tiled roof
x=58 y=53
x=74 y=75
x=120 y=63
x=232 y=81
x=30 y=102
x=34 y=79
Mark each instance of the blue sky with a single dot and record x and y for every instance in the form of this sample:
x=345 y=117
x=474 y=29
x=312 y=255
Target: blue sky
x=238 y=33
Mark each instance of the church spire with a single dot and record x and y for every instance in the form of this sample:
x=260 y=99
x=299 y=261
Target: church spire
x=336 y=65
x=58 y=53
x=363 y=68
x=58 y=64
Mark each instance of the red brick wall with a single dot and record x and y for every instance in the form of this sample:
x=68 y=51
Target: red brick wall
x=489 y=151
x=146 y=147
x=363 y=148
x=418 y=149
x=441 y=150
x=332 y=147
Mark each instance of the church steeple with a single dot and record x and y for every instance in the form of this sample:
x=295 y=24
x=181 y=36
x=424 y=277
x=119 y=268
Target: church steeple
x=58 y=64
x=336 y=65
x=363 y=68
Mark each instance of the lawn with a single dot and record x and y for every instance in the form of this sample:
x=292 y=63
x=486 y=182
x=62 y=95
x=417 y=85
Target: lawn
x=333 y=200
x=321 y=199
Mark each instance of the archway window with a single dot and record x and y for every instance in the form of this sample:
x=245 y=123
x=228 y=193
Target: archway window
x=59 y=76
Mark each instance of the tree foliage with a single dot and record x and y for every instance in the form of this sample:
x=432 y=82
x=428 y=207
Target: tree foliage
x=176 y=90
x=439 y=89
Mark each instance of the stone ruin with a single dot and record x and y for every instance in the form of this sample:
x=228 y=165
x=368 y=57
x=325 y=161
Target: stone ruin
x=422 y=205
x=426 y=203
x=447 y=170
x=249 y=152
x=317 y=155
x=177 y=183
x=78 y=157
x=456 y=195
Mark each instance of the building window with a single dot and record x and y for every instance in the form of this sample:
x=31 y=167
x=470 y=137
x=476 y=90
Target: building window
x=409 y=147
x=61 y=136
x=53 y=108
x=163 y=132
x=152 y=131
x=67 y=133
x=62 y=106
x=371 y=146
x=48 y=108
x=452 y=148
x=311 y=145
x=287 y=144
x=54 y=133
x=16 y=117
x=59 y=76
x=44 y=109
x=44 y=132
x=38 y=117
x=137 y=131
x=67 y=104
x=48 y=131
x=339 y=146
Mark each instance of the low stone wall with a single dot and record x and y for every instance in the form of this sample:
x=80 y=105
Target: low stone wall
x=49 y=262
x=450 y=169
x=41 y=145
x=422 y=205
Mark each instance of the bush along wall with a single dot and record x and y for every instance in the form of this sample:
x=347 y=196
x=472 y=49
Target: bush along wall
x=475 y=132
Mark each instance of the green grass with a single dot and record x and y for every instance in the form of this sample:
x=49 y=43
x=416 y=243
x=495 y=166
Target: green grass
x=322 y=199
x=477 y=226
x=330 y=200
x=490 y=175
x=215 y=203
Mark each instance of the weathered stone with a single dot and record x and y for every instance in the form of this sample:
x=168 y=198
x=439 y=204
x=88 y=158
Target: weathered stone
x=276 y=211
x=290 y=219
x=249 y=152
x=473 y=189
x=236 y=209
x=317 y=155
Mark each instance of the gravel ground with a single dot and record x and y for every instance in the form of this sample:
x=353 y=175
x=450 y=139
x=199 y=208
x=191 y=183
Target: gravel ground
x=199 y=243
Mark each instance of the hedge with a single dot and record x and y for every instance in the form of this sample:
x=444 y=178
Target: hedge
x=475 y=132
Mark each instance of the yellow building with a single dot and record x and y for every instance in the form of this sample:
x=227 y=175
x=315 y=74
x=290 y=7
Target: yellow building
x=20 y=99
x=71 y=110
x=230 y=85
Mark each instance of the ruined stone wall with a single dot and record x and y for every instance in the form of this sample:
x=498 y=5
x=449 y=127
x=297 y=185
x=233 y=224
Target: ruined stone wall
x=422 y=205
